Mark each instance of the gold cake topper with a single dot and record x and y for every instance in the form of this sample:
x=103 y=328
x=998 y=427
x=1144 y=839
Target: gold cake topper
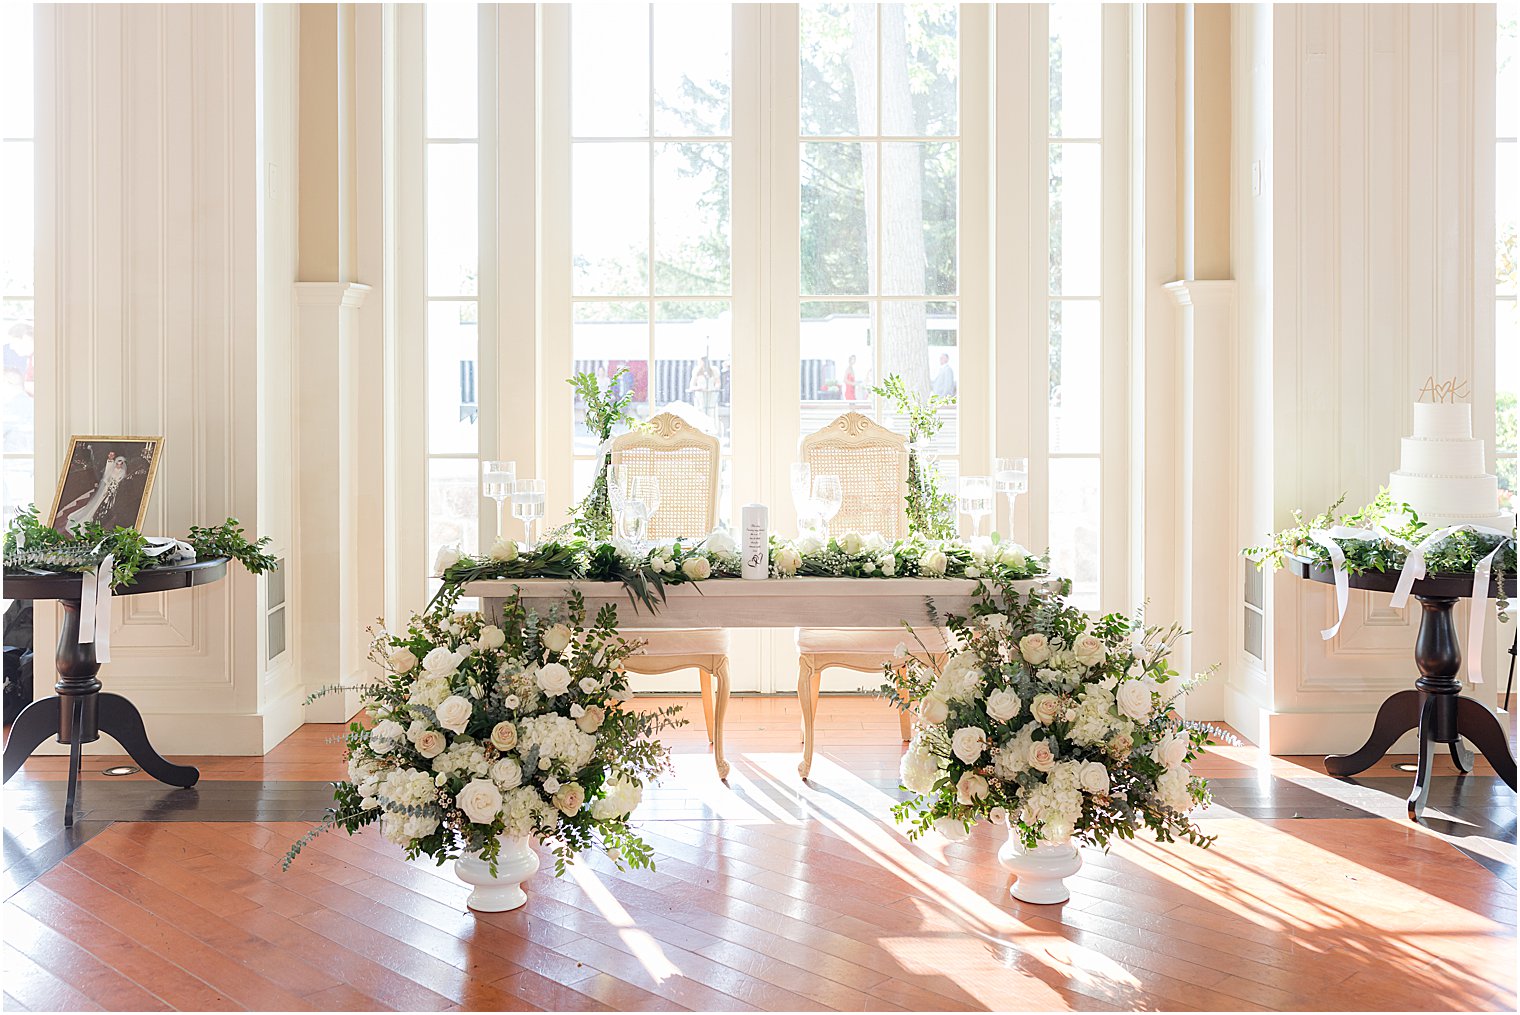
x=1443 y=391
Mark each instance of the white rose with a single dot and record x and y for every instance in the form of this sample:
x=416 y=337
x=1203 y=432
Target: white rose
x=1094 y=778
x=492 y=637
x=1041 y=756
x=809 y=543
x=480 y=800
x=1171 y=752
x=507 y=773
x=504 y=736
x=556 y=638
x=430 y=743
x=970 y=788
x=851 y=543
x=934 y=562
x=1003 y=704
x=454 y=713
x=721 y=542
x=933 y=710
x=788 y=561
x=591 y=719
x=1012 y=555
x=874 y=542
x=402 y=660
x=551 y=785
x=504 y=550
x=998 y=815
x=888 y=565
x=696 y=568
x=1035 y=648
x=919 y=770
x=385 y=736
x=447 y=558
x=439 y=662
x=570 y=798
x=554 y=679
x=1089 y=650
x=589 y=685
x=1134 y=699
x=969 y=743
x=1045 y=708
x=952 y=828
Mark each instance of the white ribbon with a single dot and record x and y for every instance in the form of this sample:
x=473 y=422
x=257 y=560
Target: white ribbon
x=1414 y=570
x=166 y=551
x=95 y=609
x=1327 y=538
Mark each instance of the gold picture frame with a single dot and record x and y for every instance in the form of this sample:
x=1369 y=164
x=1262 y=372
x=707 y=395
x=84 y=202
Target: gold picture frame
x=87 y=492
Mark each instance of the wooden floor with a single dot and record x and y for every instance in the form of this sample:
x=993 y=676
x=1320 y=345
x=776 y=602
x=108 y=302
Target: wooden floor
x=769 y=894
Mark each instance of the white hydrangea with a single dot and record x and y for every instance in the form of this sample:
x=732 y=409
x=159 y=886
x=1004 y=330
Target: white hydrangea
x=1173 y=788
x=623 y=795
x=919 y=769
x=463 y=757
x=524 y=809
x=412 y=788
x=558 y=738
x=960 y=680
x=429 y=691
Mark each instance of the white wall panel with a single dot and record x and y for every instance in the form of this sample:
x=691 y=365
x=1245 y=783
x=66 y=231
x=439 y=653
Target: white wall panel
x=150 y=320
x=1370 y=197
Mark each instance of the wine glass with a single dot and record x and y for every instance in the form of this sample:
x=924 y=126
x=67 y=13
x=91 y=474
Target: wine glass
x=496 y=480
x=641 y=499
x=802 y=500
x=528 y=505
x=1012 y=477
x=828 y=497
x=617 y=497
x=975 y=496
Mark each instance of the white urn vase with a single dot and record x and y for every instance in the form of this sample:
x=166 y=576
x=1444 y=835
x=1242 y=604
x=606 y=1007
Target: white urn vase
x=1041 y=872
x=516 y=863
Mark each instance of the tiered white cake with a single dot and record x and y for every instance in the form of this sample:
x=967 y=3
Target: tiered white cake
x=1441 y=470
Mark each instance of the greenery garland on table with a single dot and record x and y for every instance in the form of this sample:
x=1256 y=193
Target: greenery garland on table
x=31 y=546
x=1397 y=526
x=647 y=575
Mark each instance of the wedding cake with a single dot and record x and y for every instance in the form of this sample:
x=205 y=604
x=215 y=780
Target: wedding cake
x=1441 y=471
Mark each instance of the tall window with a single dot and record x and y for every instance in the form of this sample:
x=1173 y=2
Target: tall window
x=651 y=143
x=880 y=180
x=452 y=166
x=1507 y=274
x=1075 y=308
x=16 y=276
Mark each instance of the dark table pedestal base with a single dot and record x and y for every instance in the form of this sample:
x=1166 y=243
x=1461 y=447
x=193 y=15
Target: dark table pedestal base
x=1436 y=707
x=79 y=713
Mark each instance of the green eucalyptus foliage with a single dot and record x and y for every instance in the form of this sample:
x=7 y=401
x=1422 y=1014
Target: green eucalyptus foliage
x=931 y=510
x=605 y=411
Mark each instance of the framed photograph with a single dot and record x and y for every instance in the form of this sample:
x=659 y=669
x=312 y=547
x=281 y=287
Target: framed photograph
x=106 y=480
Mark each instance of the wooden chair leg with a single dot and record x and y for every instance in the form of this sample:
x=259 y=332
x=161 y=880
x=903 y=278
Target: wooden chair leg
x=808 y=678
x=705 y=676
x=720 y=709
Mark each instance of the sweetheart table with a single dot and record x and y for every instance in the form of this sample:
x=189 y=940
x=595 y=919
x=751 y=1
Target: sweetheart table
x=860 y=603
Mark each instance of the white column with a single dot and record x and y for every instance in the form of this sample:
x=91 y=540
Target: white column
x=1209 y=561
x=333 y=490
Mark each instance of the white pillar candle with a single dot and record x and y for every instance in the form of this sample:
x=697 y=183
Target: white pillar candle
x=755 y=533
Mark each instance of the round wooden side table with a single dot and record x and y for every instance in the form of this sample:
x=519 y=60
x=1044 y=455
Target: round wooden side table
x=1435 y=705
x=79 y=711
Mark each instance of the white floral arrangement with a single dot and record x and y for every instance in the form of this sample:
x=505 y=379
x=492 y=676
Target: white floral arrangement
x=512 y=728
x=1053 y=724
x=647 y=572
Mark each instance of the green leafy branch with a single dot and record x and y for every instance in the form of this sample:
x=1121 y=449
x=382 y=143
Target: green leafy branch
x=931 y=510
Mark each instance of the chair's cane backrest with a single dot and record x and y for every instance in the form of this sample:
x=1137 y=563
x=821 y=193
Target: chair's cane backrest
x=872 y=465
x=685 y=462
